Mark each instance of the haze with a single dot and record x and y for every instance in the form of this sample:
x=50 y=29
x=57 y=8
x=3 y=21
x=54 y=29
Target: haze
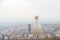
x=25 y=10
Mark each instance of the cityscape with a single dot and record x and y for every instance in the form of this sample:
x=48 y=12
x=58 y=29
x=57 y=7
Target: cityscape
x=24 y=31
x=29 y=19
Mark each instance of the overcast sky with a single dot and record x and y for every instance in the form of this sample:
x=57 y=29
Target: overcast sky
x=21 y=10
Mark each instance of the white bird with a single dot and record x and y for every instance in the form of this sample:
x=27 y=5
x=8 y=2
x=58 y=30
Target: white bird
x=36 y=27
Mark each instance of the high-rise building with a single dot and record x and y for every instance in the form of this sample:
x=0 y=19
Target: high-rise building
x=29 y=28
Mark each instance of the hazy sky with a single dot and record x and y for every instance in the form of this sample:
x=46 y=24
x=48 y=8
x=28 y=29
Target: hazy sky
x=24 y=10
